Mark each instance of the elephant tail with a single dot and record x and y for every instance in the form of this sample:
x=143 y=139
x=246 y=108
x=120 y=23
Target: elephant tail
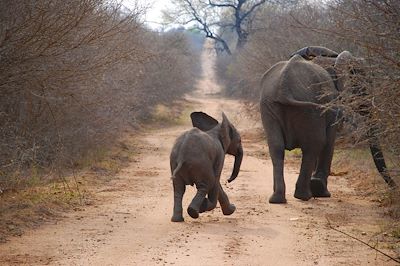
x=175 y=173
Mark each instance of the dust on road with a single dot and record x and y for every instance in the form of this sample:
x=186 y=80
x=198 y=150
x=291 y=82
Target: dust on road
x=132 y=226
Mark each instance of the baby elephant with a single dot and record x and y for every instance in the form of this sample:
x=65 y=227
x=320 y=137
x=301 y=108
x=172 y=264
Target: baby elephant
x=197 y=158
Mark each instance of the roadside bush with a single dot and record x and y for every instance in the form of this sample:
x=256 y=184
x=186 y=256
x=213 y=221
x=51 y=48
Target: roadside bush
x=73 y=74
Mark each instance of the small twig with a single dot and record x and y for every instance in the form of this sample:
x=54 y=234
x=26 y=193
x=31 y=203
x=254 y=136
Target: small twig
x=363 y=242
x=77 y=186
x=127 y=213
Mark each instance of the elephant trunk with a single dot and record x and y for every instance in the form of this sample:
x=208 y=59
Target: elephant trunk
x=236 y=166
x=379 y=161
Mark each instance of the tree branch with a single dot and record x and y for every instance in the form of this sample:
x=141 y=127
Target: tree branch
x=221 y=5
x=253 y=8
x=361 y=241
x=206 y=27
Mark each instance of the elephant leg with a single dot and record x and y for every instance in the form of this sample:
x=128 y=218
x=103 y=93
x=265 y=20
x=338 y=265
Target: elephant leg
x=210 y=203
x=226 y=206
x=277 y=156
x=308 y=162
x=319 y=181
x=179 y=190
x=213 y=197
x=194 y=207
x=204 y=205
x=276 y=147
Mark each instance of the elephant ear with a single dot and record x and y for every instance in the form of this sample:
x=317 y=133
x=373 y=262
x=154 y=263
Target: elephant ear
x=344 y=61
x=225 y=132
x=343 y=68
x=203 y=121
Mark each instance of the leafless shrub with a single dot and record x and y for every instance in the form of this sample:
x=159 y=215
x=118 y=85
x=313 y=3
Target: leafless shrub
x=72 y=73
x=170 y=72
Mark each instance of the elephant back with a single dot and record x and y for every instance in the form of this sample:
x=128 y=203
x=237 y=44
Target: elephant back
x=298 y=80
x=195 y=146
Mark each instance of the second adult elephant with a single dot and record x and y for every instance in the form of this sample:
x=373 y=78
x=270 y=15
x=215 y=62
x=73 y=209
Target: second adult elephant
x=294 y=115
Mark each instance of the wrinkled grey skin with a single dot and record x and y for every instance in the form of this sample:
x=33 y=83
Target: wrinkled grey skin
x=293 y=95
x=197 y=158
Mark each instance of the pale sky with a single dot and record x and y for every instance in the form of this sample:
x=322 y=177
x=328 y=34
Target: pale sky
x=153 y=15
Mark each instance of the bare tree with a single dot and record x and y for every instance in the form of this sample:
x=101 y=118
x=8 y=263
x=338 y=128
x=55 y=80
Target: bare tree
x=243 y=16
x=216 y=17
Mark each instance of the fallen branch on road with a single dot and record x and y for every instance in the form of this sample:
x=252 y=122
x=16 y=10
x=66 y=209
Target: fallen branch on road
x=361 y=241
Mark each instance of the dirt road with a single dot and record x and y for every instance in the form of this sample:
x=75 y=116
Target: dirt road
x=132 y=225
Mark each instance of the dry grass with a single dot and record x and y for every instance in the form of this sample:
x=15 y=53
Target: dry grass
x=356 y=165
x=176 y=113
x=46 y=199
x=31 y=207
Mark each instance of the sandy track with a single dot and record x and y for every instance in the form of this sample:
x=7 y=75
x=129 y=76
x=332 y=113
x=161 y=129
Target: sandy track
x=132 y=225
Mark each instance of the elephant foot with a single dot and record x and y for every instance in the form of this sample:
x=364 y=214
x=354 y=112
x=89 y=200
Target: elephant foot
x=177 y=218
x=228 y=211
x=193 y=213
x=302 y=194
x=277 y=198
x=319 y=188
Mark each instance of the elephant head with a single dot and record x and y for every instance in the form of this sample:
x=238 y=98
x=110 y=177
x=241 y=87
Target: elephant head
x=227 y=134
x=348 y=73
x=343 y=67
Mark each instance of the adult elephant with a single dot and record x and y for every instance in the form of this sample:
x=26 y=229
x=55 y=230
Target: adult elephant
x=293 y=110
